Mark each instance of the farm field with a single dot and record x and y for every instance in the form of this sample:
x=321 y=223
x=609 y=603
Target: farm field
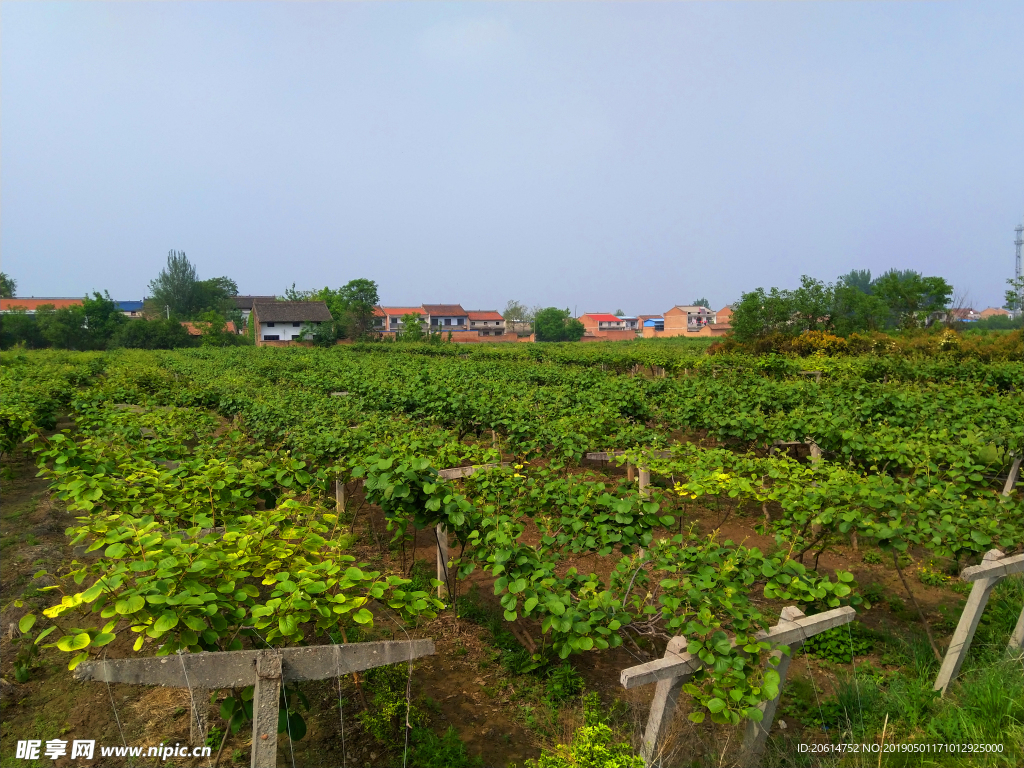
x=165 y=502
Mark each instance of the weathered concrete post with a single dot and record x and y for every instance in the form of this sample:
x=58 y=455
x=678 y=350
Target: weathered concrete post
x=994 y=568
x=199 y=724
x=677 y=666
x=663 y=706
x=442 y=561
x=266 y=670
x=756 y=735
x=265 y=707
x=645 y=481
x=1011 y=479
x=339 y=495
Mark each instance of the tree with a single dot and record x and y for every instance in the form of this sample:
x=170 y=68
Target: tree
x=1014 y=294
x=619 y=313
x=19 y=327
x=553 y=324
x=89 y=325
x=759 y=313
x=910 y=296
x=515 y=314
x=352 y=306
x=412 y=330
x=215 y=295
x=151 y=334
x=8 y=285
x=175 y=286
x=701 y=303
x=178 y=291
x=857 y=278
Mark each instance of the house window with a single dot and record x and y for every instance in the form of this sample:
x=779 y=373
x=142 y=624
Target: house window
x=269 y=325
x=296 y=325
x=459 y=321
x=447 y=321
x=270 y=337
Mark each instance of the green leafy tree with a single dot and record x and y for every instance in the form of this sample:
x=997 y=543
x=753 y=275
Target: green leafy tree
x=760 y=313
x=89 y=325
x=8 y=285
x=159 y=333
x=351 y=306
x=516 y=314
x=701 y=303
x=910 y=296
x=175 y=286
x=857 y=278
x=854 y=310
x=412 y=329
x=178 y=291
x=553 y=324
x=19 y=327
x=1014 y=294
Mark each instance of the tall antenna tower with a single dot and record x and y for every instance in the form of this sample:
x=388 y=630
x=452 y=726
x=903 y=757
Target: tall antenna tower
x=1019 y=242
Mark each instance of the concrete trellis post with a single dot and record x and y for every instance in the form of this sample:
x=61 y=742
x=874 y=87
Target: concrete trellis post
x=1011 y=479
x=442 y=533
x=339 y=495
x=267 y=670
x=993 y=568
x=756 y=734
x=676 y=667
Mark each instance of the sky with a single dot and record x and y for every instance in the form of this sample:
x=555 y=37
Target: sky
x=595 y=156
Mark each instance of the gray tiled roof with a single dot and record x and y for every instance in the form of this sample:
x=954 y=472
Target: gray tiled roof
x=292 y=311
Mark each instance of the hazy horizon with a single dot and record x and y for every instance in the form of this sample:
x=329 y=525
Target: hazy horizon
x=596 y=156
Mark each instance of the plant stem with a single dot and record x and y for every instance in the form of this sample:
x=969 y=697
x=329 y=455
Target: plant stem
x=920 y=613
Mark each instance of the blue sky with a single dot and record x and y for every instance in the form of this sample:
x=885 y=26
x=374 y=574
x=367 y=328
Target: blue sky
x=595 y=156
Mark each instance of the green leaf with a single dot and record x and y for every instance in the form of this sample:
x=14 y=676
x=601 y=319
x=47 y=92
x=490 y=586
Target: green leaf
x=74 y=642
x=26 y=622
x=715 y=705
x=166 y=622
x=362 y=616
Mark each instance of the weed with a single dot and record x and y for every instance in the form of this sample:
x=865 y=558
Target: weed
x=874 y=593
x=591 y=747
x=841 y=644
x=432 y=751
x=388 y=706
x=563 y=683
x=873 y=558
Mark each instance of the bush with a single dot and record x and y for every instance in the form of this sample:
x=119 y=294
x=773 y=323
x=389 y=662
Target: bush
x=151 y=334
x=591 y=748
x=841 y=644
x=432 y=751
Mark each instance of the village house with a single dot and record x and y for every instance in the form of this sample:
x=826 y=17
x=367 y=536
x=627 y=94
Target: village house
x=683 y=320
x=985 y=314
x=30 y=305
x=487 y=321
x=724 y=316
x=602 y=326
x=244 y=304
x=279 y=323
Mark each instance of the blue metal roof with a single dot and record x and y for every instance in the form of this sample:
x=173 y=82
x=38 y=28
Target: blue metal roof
x=129 y=306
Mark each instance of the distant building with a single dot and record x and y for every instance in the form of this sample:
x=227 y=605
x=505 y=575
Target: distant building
x=965 y=315
x=30 y=305
x=130 y=308
x=193 y=330
x=724 y=316
x=683 y=320
x=446 y=317
x=286 y=321
x=994 y=312
x=487 y=321
x=244 y=304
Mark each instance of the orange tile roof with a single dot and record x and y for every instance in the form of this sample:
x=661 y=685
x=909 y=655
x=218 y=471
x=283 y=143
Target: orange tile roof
x=484 y=314
x=194 y=330
x=399 y=311
x=31 y=304
x=602 y=317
